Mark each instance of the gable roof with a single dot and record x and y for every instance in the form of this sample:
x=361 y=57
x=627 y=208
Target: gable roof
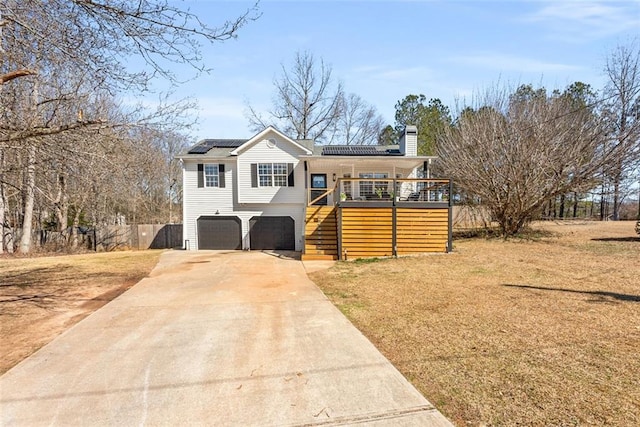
x=261 y=135
x=221 y=148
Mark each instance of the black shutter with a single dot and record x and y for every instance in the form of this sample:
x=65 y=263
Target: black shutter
x=221 y=175
x=200 y=175
x=290 y=171
x=254 y=175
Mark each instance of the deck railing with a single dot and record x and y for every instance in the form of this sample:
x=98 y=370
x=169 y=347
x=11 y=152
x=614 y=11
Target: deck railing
x=350 y=191
x=313 y=197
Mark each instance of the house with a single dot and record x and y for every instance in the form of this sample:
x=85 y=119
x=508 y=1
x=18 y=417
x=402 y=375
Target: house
x=274 y=192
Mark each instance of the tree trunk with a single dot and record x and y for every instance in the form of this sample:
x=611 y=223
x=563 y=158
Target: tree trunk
x=61 y=207
x=6 y=233
x=74 y=229
x=616 y=196
x=29 y=200
x=562 y=200
x=3 y=204
x=575 y=205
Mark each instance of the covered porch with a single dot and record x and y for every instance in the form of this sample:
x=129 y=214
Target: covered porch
x=358 y=208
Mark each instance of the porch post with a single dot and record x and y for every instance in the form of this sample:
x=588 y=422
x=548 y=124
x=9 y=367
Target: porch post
x=394 y=231
x=339 y=230
x=306 y=175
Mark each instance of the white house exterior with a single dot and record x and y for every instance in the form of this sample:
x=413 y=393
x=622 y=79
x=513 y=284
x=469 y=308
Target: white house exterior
x=255 y=193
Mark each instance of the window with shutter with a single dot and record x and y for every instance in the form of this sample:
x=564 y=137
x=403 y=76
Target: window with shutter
x=211 y=175
x=272 y=175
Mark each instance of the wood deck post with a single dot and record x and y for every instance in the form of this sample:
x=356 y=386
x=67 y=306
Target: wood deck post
x=339 y=231
x=394 y=231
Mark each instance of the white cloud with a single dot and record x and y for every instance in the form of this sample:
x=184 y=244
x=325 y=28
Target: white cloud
x=588 y=20
x=509 y=63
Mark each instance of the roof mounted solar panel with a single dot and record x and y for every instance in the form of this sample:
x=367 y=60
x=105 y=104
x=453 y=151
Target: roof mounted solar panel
x=201 y=147
x=227 y=143
x=207 y=144
x=352 y=150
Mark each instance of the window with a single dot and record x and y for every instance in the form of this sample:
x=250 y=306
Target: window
x=280 y=175
x=273 y=174
x=265 y=174
x=211 y=175
x=368 y=188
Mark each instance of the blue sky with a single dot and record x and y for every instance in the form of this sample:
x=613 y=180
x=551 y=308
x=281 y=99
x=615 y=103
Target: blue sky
x=385 y=50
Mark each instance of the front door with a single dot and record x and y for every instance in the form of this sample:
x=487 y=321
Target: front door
x=319 y=186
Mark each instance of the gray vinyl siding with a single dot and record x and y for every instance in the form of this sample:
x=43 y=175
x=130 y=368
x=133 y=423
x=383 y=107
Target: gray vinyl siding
x=206 y=200
x=261 y=153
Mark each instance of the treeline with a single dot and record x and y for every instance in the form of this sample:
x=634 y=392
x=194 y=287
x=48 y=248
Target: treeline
x=521 y=153
x=526 y=153
x=75 y=151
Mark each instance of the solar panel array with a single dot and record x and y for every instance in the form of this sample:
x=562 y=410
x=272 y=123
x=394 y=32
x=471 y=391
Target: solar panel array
x=204 y=146
x=356 y=150
x=227 y=143
x=201 y=148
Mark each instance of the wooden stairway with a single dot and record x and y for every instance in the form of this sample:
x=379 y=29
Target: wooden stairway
x=320 y=234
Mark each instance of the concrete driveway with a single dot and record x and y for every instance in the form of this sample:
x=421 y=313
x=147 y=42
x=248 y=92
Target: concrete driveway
x=212 y=338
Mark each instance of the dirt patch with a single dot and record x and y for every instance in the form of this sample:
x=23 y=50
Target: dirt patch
x=543 y=330
x=42 y=297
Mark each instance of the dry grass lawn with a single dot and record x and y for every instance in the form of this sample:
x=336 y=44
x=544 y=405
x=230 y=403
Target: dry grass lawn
x=543 y=331
x=41 y=297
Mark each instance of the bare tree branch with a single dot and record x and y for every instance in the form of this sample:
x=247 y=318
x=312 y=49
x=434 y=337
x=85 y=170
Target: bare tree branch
x=7 y=77
x=307 y=101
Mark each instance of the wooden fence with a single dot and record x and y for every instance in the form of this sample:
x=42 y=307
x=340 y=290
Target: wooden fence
x=112 y=237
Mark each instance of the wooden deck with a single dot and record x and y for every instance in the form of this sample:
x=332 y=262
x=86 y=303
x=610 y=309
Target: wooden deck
x=363 y=227
x=365 y=232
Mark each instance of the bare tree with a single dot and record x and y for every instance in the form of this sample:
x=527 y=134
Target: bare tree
x=516 y=153
x=358 y=123
x=622 y=111
x=59 y=57
x=307 y=101
x=101 y=35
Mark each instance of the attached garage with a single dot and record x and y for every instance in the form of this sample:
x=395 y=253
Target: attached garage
x=219 y=232
x=272 y=232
